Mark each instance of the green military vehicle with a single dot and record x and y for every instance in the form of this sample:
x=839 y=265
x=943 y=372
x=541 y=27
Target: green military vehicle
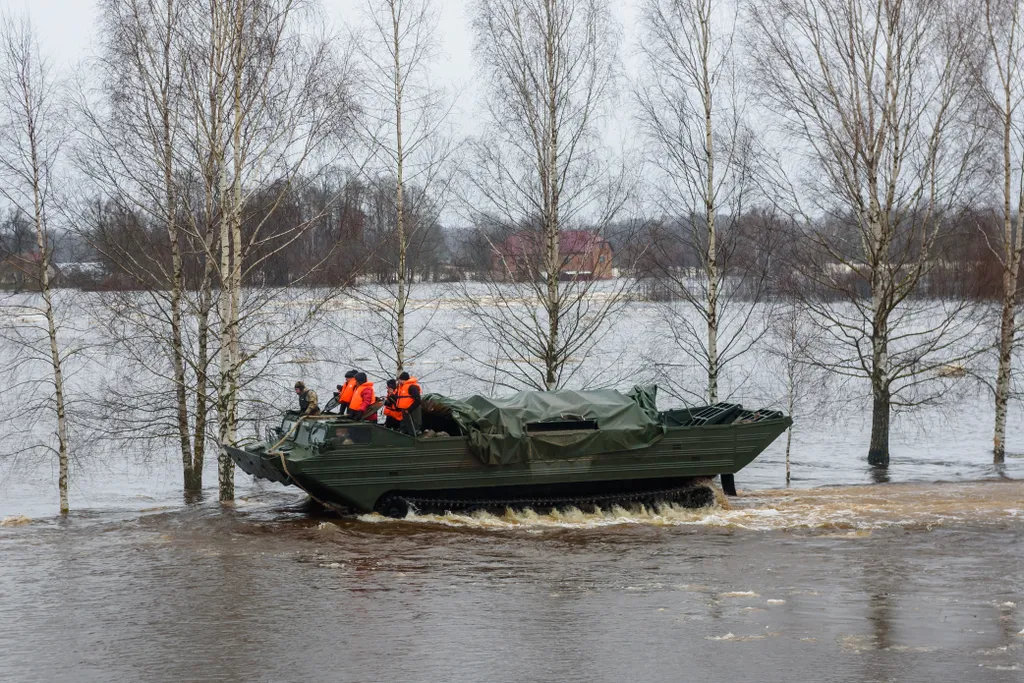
x=534 y=449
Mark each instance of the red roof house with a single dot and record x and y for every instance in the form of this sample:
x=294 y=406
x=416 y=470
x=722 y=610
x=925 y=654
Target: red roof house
x=584 y=255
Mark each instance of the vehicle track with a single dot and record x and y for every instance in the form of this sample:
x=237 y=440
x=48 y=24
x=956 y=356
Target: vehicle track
x=398 y=505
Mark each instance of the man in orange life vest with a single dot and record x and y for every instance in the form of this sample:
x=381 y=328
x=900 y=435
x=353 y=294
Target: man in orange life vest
x=409 y=404
x=344 y=393
x=362 y=399
x=392 y=415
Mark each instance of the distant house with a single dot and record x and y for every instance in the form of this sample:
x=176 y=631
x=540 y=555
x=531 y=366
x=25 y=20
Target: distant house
x=585 y=255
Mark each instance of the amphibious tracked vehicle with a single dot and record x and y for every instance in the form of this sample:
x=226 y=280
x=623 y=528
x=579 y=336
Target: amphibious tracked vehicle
x=533 y=449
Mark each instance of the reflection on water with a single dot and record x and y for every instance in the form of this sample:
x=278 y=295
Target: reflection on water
x=876 y=583
x=879 y=475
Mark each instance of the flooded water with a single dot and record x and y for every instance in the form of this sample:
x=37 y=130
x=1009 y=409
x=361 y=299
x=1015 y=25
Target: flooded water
x=897 y=582
x=849 y=575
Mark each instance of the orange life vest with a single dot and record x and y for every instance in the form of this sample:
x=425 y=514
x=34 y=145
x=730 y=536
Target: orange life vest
x=390 y=410
x=345 y=396
x=405 y=401
x=358 y=403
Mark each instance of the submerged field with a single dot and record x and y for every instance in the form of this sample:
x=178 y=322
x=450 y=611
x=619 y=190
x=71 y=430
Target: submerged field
x=949 y=441
x=847 y=575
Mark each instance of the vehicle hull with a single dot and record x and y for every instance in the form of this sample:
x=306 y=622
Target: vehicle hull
x=360 y=476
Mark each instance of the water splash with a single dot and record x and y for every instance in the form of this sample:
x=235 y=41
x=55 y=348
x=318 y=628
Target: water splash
x=848 y=511
x=16 y=520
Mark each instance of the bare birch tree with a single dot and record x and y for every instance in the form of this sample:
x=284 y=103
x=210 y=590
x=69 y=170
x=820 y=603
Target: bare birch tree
x=268 y=96
x=403 y=125
x=536 y=172
x=133 y=153
x=32 y=132
x=873 y=93
x=705 y=155
x=1002 y=86
x=212 y=121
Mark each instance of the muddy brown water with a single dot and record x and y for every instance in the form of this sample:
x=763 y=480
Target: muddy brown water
x=899 y=582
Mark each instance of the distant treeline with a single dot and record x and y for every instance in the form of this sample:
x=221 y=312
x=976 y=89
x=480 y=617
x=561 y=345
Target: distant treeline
x=347 y=236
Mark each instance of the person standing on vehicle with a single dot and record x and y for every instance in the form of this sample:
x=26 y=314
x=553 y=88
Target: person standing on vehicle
x=345 y=390
x=308 y=403
x=392 y=415
x=362 y=398
x=409 y=403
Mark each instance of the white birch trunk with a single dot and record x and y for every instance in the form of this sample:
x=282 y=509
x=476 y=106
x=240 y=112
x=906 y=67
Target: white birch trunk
x=32 y=119
x=1007 y=320
x=711 y=259
x=403 y=289
x=63 y=446
x=1006 y=68
x=192 y=478
x=550 y=176
x=878 y=448
x=225 y=466
x=790 y=403
x=222 y=45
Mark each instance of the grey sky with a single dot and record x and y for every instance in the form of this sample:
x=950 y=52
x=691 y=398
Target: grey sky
x=67 y=29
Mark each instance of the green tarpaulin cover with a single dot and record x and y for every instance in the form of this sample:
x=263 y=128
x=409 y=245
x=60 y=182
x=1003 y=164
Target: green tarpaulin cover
x=537 y=425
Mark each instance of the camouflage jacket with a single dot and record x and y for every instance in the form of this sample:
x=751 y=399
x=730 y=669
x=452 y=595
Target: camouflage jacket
x=308 y=403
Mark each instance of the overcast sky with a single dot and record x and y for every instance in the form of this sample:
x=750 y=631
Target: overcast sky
x=67 y=30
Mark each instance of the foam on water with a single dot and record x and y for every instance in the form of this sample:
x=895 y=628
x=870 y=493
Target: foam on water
x=15 y=520
x=855 y=510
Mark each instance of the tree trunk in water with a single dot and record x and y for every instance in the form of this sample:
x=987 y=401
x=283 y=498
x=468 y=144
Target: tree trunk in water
x=790 y=399
x=226 y=477
x=51 y=326
x=191 y=480
x=55 y=360
x=204 y=331
x=202 y=379
x=58 y=384
x=189 y=475
x=789 y=443
x=1006 y=338
x=1011 y=264
x=225 y=466
x=881 y=287
x=1010 y=257
x=225 y=400
x=233 y=235
x=878 y=450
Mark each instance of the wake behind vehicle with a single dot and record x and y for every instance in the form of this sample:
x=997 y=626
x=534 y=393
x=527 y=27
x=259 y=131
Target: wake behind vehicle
x=533 y=449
